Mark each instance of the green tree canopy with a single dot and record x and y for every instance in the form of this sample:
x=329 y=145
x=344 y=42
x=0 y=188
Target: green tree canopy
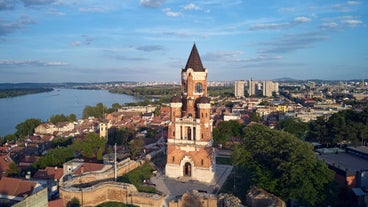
x=120 y=136
x=135 y=146
x=294 y=126
x=95 y=111
x=284 y=165
x=226 y=130
x=56 y=118
x=12 y=170
x=55 y=157
x=348 y=127
x=27 y=127
x=90 y=145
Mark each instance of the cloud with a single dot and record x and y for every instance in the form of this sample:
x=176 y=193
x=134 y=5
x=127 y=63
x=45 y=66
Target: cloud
x=351 y=22
x=170 y=13
x=55 y=12
x=345 y=7
x=30 y=63
x=301 y=20
x=151 y=3
x=37 y=2
x=191 y=6
x=87 y=40
x=340 y=23
x=93 y=10
x=7 y=4
x=7 y=27
x=122 y=57
x=289 y=43
x=231 y=56
x=116 y=54
x=149 y=48
x=284 y=25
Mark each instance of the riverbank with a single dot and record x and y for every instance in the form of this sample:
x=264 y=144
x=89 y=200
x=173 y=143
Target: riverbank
x=14 y=92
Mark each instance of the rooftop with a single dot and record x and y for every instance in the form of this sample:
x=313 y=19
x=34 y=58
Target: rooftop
x=194 y=60
x=345 y=161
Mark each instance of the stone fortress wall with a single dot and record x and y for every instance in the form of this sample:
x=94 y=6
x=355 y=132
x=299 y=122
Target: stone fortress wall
x=110 y=191
x=105 y=190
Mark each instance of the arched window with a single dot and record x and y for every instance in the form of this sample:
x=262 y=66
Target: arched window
x=198 y=88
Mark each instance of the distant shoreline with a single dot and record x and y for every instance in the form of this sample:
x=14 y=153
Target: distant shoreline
x=14 y=92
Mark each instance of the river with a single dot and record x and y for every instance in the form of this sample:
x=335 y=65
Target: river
x=59 y=101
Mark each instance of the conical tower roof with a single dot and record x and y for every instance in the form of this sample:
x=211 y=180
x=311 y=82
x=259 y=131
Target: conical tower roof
x=194 y=60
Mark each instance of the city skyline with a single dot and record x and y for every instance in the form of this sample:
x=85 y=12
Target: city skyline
x=148 y=40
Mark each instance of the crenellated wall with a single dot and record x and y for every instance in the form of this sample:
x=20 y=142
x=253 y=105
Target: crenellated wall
x=123 y=167
x=110 y=191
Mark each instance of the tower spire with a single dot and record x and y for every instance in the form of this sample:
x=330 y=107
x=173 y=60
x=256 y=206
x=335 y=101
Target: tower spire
x=194 y=60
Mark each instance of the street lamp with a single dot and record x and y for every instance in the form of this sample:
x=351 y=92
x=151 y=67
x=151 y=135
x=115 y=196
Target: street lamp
x=81 y=189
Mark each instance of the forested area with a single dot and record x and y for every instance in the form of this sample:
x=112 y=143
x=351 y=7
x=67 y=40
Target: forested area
x=169 y=91
x=284 y=165
x=348 y=127
x=281 y=162
x=13 y=92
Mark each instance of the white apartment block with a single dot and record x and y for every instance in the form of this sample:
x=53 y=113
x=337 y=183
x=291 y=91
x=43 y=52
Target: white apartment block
x=269 y=87
x=239 y=88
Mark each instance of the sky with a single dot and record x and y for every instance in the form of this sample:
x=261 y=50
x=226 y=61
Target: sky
x=150 y=40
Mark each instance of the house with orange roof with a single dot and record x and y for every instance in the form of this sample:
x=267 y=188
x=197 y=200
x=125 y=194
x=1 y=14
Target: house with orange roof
x=49 y=177
x=14 y=190
x=5 y=161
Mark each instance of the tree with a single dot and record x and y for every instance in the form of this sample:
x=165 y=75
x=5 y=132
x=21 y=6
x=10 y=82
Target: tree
x=227 y=130
x=10 y=137
x=284 y=165
x=135 y=146
x=55 y=157
x=27 y=127
x=254 y=117
x=74 y=202
x=90 y=145
x=294 y=126
x=121 y=136
x=12 y=170
x=56 y=118
x=96 y=111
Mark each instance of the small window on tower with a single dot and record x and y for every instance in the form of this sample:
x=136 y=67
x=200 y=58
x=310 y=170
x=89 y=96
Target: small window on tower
x=202 y=162
x=173 y=158
x=198 y=88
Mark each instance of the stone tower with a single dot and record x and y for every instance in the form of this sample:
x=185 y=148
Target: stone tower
x=189 y=145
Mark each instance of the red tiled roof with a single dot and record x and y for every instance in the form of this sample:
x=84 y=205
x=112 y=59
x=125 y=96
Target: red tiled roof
x=89 y=167
x=16 y=187
x=49 y=173
x=4 y=163
x=56 y=203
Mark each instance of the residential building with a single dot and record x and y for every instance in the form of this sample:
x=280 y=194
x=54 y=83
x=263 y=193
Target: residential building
x=253 y=88
x=14 y=190
x=239 y=88
x=269 y=88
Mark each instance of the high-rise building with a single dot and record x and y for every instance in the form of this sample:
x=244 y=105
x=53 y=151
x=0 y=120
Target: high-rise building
x=269 y=88
x=253 y=88
x=239 y=88
x=189 y=146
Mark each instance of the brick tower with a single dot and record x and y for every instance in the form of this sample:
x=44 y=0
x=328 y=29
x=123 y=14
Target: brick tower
x=189 y=144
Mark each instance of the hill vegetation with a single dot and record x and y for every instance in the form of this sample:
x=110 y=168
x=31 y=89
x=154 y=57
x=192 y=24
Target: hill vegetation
x=13 y=92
